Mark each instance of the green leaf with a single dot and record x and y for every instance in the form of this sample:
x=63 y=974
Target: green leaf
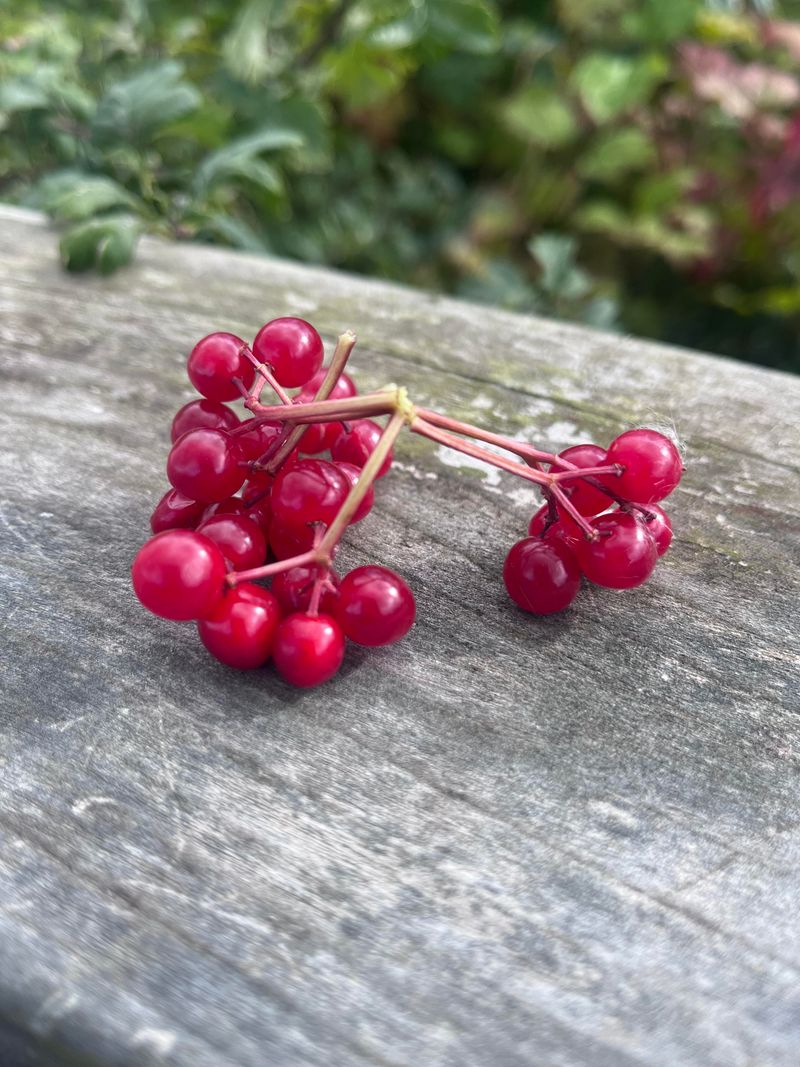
x=560 y=277
x=240 y=158
x=660 y=21
x=249 y=52
x=106 y=243
x=134 y=108
x=362 y=76
x=70 y=195
x=616 y=153
x=610 y=84
x=539 y=115
x=464 y=25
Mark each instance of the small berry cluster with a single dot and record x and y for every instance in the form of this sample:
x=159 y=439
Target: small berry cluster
x=255 y=499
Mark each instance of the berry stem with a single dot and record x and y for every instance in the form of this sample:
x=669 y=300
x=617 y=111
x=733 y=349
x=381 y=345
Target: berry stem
x=267 y=376
x=583 y=472
x=233 y=578
x=563 y=501
x=368 y=475
x=519 y=448
x=423 y=427
x=344 y=346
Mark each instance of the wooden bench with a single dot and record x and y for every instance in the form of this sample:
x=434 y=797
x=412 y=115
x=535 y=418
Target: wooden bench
x=505 y=841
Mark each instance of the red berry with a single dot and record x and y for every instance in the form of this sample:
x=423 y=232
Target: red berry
x=214 y=361
x=311 y=491
x=652 y=463
x=622 y=557
x=584 y=497
x=565 y=528
x=319 y=437
x=308 y=649
x=239 y=539
x=256 y=487
x=231 y=505
x=293 y=589
x=352 y=474
x=204 y=465
x=659 y=527
x=179 y=574
x=357 y=445
x=287 y=541
x=375 y=606
x=241 y=629
x=343 y=390
x=541 y=576
x=292 y=348
x=174 y=511
x=254 y=442
x=198 y=413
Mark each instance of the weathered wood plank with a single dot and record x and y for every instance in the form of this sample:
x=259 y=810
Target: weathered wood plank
x=566 y=842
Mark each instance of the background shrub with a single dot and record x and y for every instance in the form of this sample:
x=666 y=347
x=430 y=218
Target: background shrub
x=633 y=164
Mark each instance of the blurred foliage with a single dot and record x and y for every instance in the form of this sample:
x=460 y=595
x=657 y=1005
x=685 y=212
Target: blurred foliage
x=628 y=163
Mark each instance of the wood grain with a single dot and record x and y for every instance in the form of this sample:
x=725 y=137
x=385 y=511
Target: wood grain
x=505 y=841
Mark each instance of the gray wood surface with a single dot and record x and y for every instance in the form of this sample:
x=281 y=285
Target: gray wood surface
x=502 y=842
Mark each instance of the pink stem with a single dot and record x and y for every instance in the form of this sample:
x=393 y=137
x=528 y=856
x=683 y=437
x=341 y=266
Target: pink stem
x=586 y=472
x=421 y=426
x=234 y=577
x=266 y=377
x=519 y=448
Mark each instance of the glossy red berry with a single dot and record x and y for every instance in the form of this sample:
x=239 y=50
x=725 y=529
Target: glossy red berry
x=352 y=474
x=319 y=436
x=254 y=442
x=652 y=463
x=209 y=413
x=241 y=630
x=584 y=497
x=659 y=527
x=214 y=361
x=204 y=464
x=292 y=348
x=565 y=528
x=308 y=649
x=239 y=539
x=179 y=574
x=356 y=444
x=231 y=505
x=622 y=557
x=287 y=541
x=375 y=606
x=345 y=387
x=311 y=491
x=294 y=588
x=174 y=511
x=541 y=576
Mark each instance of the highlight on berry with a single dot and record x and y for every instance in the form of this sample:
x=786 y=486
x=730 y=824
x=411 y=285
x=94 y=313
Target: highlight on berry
x=266 y=498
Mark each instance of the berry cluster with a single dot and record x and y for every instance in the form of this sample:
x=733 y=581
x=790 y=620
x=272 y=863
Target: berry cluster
x=542 y=573
x=268 y=497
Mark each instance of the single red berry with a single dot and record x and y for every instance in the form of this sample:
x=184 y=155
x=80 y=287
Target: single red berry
x=287 y=541
x=352 y=474
x=375 y=606
x=659 y=527
x=541 y=576
x=231 y=505
x=624 y=554
x=204 y=464
x=356 y=444
x=308 y=649
x=584 y=497
x=241 y=630
x=214 y=361
x=345 y=386
x=256 y=486
x=174 y=511
x=319 y=437
x=565 y=528
x=209 y=413
x=653 y=465
x=293 y=589
x=179 y=574
x=292 y=348
x=256 y=440
x=239 y=539
x=311 y=491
